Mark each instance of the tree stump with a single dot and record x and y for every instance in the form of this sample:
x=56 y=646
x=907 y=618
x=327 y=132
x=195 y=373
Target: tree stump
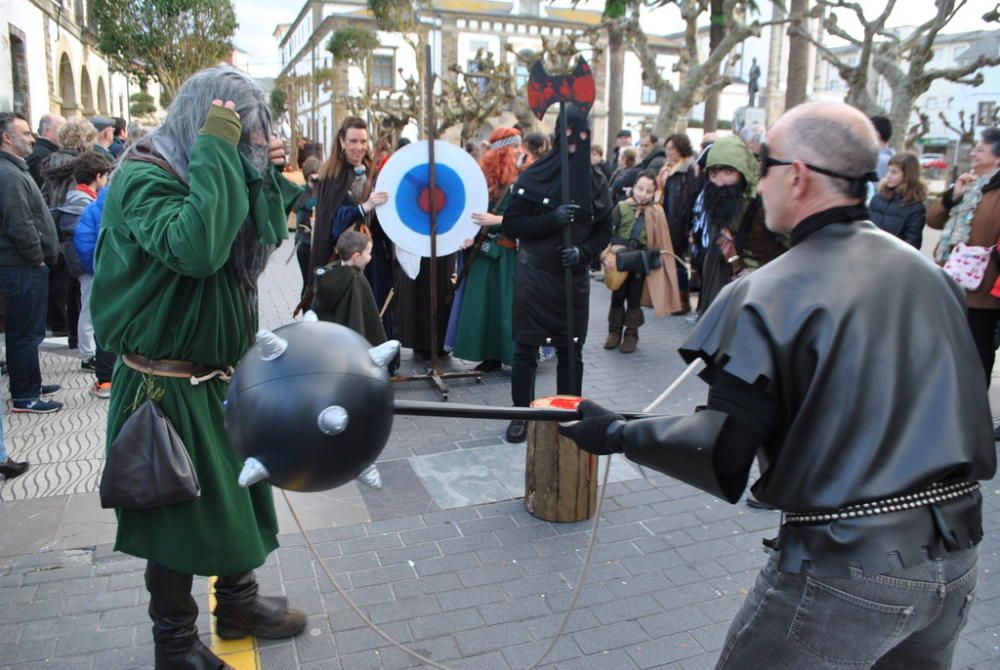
x=560 y=480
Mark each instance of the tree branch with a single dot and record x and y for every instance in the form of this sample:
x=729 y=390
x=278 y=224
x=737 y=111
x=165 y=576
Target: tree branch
x=960 y=72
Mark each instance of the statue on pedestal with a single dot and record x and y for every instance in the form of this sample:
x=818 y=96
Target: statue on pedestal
x=752 y=85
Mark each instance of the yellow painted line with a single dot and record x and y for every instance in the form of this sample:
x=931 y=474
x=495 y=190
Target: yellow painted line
x=242 y=653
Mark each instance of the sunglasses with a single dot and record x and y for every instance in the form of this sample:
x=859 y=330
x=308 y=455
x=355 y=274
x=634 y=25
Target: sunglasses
x=765 y=161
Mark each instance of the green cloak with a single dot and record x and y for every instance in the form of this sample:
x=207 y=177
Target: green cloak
x=343 y=295
x=162 y=289
x=485 y=322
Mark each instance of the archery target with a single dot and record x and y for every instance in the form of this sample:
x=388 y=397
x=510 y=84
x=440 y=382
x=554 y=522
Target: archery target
x=460 y=191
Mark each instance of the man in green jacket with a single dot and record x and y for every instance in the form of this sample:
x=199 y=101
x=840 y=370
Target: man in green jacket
x=193 y=212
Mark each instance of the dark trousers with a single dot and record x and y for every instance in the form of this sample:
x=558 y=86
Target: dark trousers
x=983 y=324
x=104 y=365
x=522 y=373
x=302 y=252
x=630 y=292
x=72 y=309
x=25 y=290
x=56 y=316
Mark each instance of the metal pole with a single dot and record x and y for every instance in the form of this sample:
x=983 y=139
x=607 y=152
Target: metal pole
x=432 y=187
x=567 y=243
x=467 y=411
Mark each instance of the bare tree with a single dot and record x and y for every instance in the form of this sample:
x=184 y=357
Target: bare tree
x=716 y=31
x=856 y=75
x=473 y=95
x=409 y=18
x=798 y=55
x=390 y=111
x=917 y=50
x=885 y=53
x=293 y=86
x=614 y=22
x=698 y=78
x=921 y=127
x=965 y=128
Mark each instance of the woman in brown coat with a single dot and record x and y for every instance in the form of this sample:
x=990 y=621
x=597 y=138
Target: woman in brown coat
x=970 y=212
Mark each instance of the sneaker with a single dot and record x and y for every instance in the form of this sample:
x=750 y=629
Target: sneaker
x=12 y=468
x=89 y=364
x=101 y=390
x=36 y=406
x=49 y=389
x=370 y=476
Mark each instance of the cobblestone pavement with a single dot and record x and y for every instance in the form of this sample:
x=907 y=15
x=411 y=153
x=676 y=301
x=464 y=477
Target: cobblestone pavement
x=444 y=557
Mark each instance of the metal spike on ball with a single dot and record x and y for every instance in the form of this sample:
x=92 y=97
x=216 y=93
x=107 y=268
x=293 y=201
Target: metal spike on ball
x=310 y=406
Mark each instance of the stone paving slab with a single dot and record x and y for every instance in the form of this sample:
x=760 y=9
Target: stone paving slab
x=476 y=587
x=473 y=586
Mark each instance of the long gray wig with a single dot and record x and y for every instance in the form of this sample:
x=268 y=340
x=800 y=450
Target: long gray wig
x=175 y=138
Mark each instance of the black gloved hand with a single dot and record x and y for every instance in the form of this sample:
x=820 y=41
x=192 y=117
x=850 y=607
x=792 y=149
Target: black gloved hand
x=599 y=430
x=571 y=256
x=565 y=214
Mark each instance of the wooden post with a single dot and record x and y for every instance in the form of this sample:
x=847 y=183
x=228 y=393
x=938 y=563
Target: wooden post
x=560 y=480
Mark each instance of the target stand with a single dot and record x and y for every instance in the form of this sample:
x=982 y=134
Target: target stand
x=435 y=187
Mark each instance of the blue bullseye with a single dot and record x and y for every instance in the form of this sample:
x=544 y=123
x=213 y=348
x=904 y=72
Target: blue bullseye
x=415 y=183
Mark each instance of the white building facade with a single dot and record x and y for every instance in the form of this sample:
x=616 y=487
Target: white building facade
x=48 y=63
x=457 y=31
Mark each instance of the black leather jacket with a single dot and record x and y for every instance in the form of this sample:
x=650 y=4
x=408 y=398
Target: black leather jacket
x=874 y=388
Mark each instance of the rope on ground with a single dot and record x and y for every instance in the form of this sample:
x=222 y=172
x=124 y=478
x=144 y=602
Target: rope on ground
x=584 y=572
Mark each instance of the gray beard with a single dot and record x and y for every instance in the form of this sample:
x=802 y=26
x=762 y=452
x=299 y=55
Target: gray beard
x=248 y=257
x=257 y=155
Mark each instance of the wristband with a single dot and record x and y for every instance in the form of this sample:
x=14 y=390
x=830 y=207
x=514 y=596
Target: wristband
x=733 y=259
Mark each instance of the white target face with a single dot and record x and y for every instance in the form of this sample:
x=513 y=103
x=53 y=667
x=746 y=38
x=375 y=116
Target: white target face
x=460 y=190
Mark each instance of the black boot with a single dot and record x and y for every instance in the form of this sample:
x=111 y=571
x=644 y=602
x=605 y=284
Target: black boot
x=239 y=611
x=616 y=319
x=174 y=613
x=517 y=431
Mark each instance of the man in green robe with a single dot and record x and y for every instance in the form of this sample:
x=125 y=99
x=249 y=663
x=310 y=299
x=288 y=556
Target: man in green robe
x=192 y=214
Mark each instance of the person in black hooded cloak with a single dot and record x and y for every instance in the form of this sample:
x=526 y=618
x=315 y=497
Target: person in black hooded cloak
x=536 y=216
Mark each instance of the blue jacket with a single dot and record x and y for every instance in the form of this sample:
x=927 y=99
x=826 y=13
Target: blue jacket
x=904 y=221
x=87 y=231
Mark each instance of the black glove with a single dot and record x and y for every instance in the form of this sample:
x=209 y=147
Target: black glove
x=565 y=214
x=599 y=430
x=571 y=256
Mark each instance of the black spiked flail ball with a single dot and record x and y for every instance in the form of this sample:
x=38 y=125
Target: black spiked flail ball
x=308 y=407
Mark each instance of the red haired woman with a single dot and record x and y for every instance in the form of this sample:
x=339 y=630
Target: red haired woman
x=484 y=331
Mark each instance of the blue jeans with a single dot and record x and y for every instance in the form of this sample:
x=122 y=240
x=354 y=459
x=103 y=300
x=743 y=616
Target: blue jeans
x=26 y=292
x=906 y=619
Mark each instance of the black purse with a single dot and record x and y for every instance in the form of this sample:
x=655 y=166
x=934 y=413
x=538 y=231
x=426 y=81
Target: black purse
x=638 y=260
x=148 y=464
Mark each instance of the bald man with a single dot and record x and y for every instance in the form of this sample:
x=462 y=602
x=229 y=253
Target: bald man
x=844 y=368
x=46 y=143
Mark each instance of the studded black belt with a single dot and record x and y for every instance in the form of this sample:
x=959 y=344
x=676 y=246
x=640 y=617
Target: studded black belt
x=935 y=493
